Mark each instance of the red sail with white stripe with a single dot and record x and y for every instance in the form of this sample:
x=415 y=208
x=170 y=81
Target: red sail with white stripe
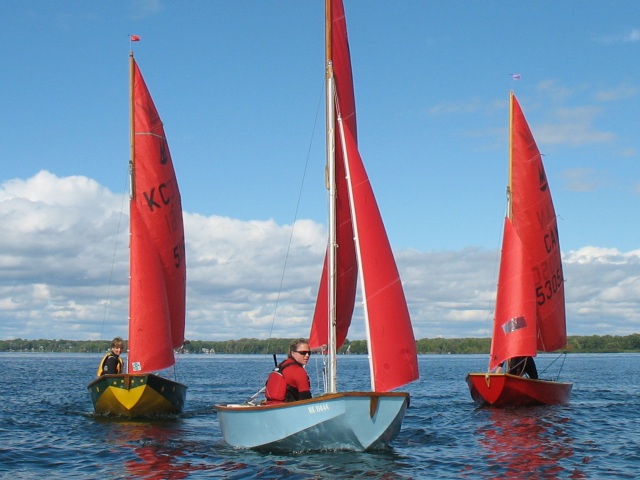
x=157 y=254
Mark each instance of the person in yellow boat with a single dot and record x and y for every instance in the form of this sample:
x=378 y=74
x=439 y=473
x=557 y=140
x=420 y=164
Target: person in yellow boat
x=112 y=363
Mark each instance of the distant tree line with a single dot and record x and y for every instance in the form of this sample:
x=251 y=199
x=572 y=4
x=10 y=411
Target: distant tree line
x=576 y=344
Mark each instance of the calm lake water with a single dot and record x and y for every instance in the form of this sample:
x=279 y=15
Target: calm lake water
x=47 y=426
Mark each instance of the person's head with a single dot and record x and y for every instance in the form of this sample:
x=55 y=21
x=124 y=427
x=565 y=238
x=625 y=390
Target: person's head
x=300 y=351
x=117 y=345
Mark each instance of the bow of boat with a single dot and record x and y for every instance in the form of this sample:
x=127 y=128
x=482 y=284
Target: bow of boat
x=137 y=395
x=505 y=390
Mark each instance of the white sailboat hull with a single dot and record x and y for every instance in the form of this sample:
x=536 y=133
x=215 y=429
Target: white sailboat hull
x=354 y=421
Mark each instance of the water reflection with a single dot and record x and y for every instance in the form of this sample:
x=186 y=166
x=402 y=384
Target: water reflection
x=384 y=465
x=156 y=455
x=526 y=442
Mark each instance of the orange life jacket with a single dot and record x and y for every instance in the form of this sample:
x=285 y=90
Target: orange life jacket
x=276 y=386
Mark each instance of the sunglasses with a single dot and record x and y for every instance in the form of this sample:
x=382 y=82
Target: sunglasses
x=303 y=352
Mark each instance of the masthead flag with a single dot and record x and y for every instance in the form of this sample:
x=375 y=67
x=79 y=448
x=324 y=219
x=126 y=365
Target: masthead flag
x=135 y=38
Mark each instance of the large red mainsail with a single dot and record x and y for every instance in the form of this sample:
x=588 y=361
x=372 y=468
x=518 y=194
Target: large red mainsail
x=347 y=269
x=534 y=219
x=157 y=253
x=360 y=235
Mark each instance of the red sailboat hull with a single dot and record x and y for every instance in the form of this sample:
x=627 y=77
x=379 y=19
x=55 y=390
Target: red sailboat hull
x=505 y=390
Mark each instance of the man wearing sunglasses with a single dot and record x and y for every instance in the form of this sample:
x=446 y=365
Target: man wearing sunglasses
x=289 y=382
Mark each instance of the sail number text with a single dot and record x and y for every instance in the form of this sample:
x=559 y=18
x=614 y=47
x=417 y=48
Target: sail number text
x=321 y=407
x=550 y=287
x=179 y=254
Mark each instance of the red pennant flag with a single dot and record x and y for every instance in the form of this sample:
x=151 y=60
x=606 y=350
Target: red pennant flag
x=135 y=38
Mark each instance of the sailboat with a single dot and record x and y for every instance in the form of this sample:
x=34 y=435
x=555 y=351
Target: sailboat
x=357 y=247
x=157 y=272
x=530 y=305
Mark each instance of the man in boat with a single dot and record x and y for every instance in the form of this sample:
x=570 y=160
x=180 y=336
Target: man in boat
x=522 y=366
x=112 y=363
x=289 y=382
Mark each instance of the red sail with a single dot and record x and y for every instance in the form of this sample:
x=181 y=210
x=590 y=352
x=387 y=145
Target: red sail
x=347 y=271
x=157 y=254
x=514 y=325
x=392 y=346
x=534 y=219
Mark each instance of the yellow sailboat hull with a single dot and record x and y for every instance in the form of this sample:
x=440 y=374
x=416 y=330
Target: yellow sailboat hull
x=137 y=395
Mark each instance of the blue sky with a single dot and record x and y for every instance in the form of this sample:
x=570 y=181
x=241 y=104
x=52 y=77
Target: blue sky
x=239 y=87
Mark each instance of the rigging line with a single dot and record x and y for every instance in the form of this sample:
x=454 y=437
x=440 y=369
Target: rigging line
x=562 y=355
x=295 y=215
x=125 y=193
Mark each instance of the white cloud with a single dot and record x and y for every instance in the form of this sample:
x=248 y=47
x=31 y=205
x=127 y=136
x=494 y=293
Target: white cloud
x=64 y=274
x=572 y=126
x=620 y=92
x=581 y=179
x=146 y=8
x=553 y=90
x=463 y=106
x=631 y=36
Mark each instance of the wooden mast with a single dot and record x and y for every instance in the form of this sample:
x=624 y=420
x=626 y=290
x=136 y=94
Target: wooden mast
x=509 y=185
x=331 y=180
x=132 y=125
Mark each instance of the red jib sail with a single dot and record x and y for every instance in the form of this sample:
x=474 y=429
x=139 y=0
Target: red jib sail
x=157 y=253
x=391 y=345
x=514 y=325
x=534 y=219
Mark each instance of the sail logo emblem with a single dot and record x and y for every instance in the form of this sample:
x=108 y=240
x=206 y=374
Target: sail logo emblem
x=136 y=366
x=543 y=178
x=514 y=324
x=164 y=155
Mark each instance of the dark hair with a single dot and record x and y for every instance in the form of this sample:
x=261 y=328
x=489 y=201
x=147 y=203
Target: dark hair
x=117 y=343
x=296 y=343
